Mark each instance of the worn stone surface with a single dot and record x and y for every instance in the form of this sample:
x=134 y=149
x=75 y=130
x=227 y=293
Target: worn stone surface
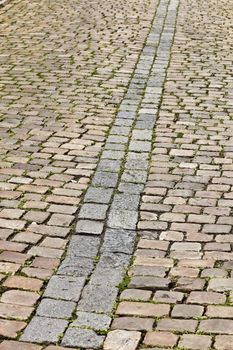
x=56 y=308
x=65 y=287
x=43 y=329
x=121 y=339
x=92 y=320
x=83 y=338
x=125 y=109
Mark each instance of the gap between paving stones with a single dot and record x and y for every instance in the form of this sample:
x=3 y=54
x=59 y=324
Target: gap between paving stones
x=98 y=256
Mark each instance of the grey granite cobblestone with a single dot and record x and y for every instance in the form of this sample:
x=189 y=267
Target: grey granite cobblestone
x=93 y=211
x=44 y=329
x=98 y=298
x=89 y=227
x=118 y=241
x=99 y=322
x=76 y=266
x=56 y=308
x=65 y=287
x=105 y=179
x=98 y=195
x=83 y=338
x=126 y=219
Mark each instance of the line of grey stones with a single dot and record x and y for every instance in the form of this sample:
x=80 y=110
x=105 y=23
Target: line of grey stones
x=77 y=304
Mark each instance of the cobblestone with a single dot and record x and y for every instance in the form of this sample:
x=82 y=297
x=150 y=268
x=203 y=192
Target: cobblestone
x=83 y=338
x=65 y=288
x=42 y=329
x=55 y=308
x=118 y=122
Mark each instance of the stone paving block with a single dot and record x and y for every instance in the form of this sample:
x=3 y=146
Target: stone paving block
x=135 y=295
x=134 y=164
x=19 y=297
x=84 y=338
x=198 y=342
x=110 y=269
x=122 y=202
x=109 y=165
x=220 y=284
x=65 y=287
x=160 y=339
x=17 y=312
x=92 y=320
x=148 y=282
x=13 y=345
x=83 y=246
x=185 y=284
x=122 y=339
x=126 y=219
x=217 y=326
x=133 y=323
x=118 y=241
x=98 y=195
x=219 y=311
x=105 y=179
x=130 y=188
x=44 y=329
x=177 y=325
x=187 y=311
x=223 y=342
x=25 y=283
x=203 y=298
x=10 y=328
x=98 y=298
x=134 y=176
x=93 y=211
x=55 y=308
x=147 y=271
x=139 y=146
x=142 y=309
x=89 y=226
x=79 y=267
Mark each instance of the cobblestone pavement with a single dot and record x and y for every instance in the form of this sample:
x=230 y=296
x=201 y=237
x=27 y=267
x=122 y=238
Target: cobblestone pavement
x=64 y=70
x=86 y=107
x=180 y=285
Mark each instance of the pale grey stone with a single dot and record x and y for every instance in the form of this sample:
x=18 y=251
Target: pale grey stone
x=126 y=219
x=76 y=266
x=98 y=298
x=43 y=329
x=89 y=226
x=135 y=176
x=93 y=211
x=109 y=165
x=122 y=340
x=82 y=338
x=119 y=241
x=65 y=287
x=98 y=195
x=105 y=179
x=92 y=320
x=83 y=246
x=122 y=202
x=55 y=308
